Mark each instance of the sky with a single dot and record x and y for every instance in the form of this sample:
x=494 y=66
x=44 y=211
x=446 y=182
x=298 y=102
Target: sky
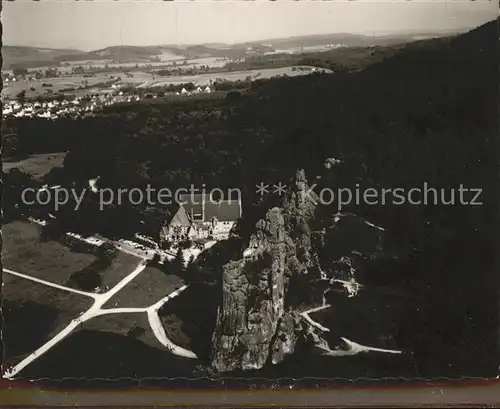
x=101 y=23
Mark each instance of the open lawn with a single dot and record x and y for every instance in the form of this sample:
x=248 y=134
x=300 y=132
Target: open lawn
x=121 y=266
x=37 y=165
x=24 y=252
x=33 y=313
x=148 y=288
x=103 y=273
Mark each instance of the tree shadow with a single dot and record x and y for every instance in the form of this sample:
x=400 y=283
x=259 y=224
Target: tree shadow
x=98 y=354
x=25 y=327
x=196 y=308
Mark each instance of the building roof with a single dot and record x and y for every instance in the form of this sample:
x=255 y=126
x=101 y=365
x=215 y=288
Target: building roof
x=193 y=205
x=180 y=218
x=223 y=211
x=199 y=207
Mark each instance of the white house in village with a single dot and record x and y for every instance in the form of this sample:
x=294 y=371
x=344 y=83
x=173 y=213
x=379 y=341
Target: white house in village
x=198 y=217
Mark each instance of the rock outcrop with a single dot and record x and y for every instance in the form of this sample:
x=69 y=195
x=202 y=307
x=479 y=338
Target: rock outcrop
x=254 y=325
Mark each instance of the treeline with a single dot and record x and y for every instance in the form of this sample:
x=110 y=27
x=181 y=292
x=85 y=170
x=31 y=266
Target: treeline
x=38 y=74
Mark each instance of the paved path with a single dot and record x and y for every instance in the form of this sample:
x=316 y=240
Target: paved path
x=161 y=302
x=49 y=284
x=97 y=310
x=100 y=300
x=106 y=311
x=159 y=330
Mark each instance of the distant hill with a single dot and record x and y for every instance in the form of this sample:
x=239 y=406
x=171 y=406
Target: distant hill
x=316 y=40
x=116 y=53
x=30 y=57
x=350 y=40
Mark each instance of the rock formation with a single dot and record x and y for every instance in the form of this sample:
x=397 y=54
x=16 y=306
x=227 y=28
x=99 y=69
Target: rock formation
x=254 y=325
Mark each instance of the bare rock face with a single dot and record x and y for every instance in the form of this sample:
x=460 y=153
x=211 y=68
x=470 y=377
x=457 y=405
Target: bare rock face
x=250 y=317
x=253 y=325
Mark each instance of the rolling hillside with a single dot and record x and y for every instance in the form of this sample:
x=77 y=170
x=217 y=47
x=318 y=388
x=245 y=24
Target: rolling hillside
x=30 y=57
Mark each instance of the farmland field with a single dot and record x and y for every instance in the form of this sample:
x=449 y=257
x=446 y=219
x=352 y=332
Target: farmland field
x=35 y=87
x=142 y=79
x=204 y=79
x=138 y=77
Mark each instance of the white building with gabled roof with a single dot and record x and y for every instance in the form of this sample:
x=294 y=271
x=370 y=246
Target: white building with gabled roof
x=200 y=217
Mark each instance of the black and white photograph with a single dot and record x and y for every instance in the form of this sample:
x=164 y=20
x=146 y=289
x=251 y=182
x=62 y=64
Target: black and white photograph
x=250 y=190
